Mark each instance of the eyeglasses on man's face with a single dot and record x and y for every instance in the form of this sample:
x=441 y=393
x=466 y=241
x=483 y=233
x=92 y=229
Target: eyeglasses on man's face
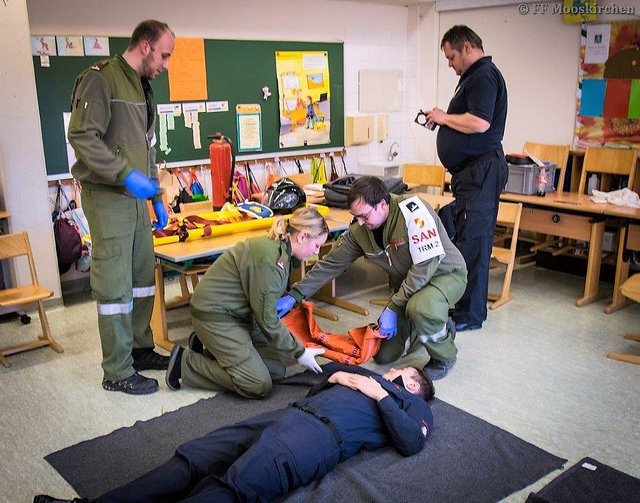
x=366 y=216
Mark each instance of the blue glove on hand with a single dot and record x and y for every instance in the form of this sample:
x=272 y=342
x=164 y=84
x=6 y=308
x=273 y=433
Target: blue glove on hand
x=284 y=305
x=388 y=323
x=141 y=186
x=161 y=215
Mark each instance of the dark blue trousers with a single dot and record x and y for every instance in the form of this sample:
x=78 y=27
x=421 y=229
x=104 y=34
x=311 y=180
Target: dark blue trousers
x=255 y=460
x=477 y=190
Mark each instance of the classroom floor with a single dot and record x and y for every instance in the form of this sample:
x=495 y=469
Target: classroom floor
x=537 y=368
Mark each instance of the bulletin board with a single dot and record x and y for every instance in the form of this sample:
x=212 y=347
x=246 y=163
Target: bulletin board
x=236 y=72
x=608 y=96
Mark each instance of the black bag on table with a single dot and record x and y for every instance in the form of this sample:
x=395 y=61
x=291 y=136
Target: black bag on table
x=335 y=192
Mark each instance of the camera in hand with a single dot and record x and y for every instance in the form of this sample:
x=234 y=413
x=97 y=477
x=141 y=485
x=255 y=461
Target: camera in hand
x=421 y=119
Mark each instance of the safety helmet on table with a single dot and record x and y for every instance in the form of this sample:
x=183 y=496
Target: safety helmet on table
x=283 y=196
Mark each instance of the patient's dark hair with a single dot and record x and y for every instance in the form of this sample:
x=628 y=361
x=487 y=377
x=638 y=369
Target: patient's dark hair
x=427 y=390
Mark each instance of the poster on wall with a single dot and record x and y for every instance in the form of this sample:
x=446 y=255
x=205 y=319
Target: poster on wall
x=608 y=95
x=304 y=98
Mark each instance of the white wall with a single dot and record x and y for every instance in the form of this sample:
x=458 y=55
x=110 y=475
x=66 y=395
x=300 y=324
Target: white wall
x=22 y=156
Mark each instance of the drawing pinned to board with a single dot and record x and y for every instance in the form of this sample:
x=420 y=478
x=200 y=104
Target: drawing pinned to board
x=69 y=45
x=96 y=46
x=43 y=45
x=608 y=96
x=305 y=101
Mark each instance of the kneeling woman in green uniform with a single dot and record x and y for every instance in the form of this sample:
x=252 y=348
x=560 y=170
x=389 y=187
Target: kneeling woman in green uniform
x=233 y=311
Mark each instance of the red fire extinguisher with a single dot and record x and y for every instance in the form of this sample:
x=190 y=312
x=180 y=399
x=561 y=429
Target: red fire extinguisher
x=222 y=159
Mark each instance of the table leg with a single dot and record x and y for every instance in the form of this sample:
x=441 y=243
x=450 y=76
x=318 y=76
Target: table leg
x=593 y=265
x=159 y=315
x=618 y=300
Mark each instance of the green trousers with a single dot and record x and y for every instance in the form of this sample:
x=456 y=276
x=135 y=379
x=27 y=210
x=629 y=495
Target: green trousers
x=122 y=276
x=237 y=358
x=424 y=318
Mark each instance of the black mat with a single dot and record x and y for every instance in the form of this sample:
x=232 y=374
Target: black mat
x=466 y=458
x=589 y=481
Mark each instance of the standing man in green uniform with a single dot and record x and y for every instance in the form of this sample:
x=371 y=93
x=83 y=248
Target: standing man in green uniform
x=405 y=237
x=112 y=133
x=233 y=311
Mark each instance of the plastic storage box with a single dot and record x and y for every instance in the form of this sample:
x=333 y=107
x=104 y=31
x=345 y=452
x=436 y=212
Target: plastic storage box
x=522 y=178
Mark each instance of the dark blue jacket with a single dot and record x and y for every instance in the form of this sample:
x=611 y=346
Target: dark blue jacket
x=401 y=419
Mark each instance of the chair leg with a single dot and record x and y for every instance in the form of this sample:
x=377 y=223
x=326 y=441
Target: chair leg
x=505 y=295
x=622 y=357
x=5 y=363
x=46 y=331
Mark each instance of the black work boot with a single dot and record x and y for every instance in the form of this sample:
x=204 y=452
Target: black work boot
x=437 y=369
x=148 y=359
x=133 y=385
x=174 y=371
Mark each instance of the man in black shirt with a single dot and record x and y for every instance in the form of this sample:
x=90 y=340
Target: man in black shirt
x=470 y=147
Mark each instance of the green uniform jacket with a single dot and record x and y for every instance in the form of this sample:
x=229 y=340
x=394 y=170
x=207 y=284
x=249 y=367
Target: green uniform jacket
x=405 y=277
x=244 y=284
x=112 y=126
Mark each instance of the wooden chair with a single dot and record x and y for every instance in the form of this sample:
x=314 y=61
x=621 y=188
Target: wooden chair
x=608 y=162
x=509 y=218
x=13 y=246
x=555 y=154
x=418 y=175
x=631 y=289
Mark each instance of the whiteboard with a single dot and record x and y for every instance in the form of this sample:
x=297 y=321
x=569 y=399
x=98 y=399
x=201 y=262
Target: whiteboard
x=380 y=90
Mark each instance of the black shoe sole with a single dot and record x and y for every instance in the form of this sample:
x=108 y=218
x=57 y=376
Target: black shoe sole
x=195 y=344
x=172 y=378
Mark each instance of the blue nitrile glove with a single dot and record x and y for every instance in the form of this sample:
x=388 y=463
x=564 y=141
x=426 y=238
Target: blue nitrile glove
x=161 y=215
x=284 y=305
x=388 y=323
x=141 y=186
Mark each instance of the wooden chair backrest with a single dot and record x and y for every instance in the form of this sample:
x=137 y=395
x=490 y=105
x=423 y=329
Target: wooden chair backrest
x=424 y=174
x=555 y=154
x=300 y=179
x=509 y=215
x=197 y=207
x=17 y=245
x=611 y=161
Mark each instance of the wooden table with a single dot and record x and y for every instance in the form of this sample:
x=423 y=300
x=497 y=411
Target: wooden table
x=568 y=215
x=576 y=216
x=176 y=253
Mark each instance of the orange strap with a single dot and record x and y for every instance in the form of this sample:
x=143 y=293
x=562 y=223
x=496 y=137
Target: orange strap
x=358 y=346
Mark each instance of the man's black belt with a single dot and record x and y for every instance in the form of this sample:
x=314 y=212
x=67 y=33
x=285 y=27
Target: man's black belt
x=332 y=428
x=479 y=158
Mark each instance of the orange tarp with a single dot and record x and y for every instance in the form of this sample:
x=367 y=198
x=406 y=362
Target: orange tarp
x=358 y=346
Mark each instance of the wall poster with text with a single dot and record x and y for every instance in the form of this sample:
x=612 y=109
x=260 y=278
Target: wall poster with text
x=608 y=94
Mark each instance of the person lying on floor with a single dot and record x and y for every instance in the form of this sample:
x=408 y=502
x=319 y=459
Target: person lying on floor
x=269 y=455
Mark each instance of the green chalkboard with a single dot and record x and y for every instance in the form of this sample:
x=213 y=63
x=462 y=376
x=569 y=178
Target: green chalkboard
x=236 y=72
